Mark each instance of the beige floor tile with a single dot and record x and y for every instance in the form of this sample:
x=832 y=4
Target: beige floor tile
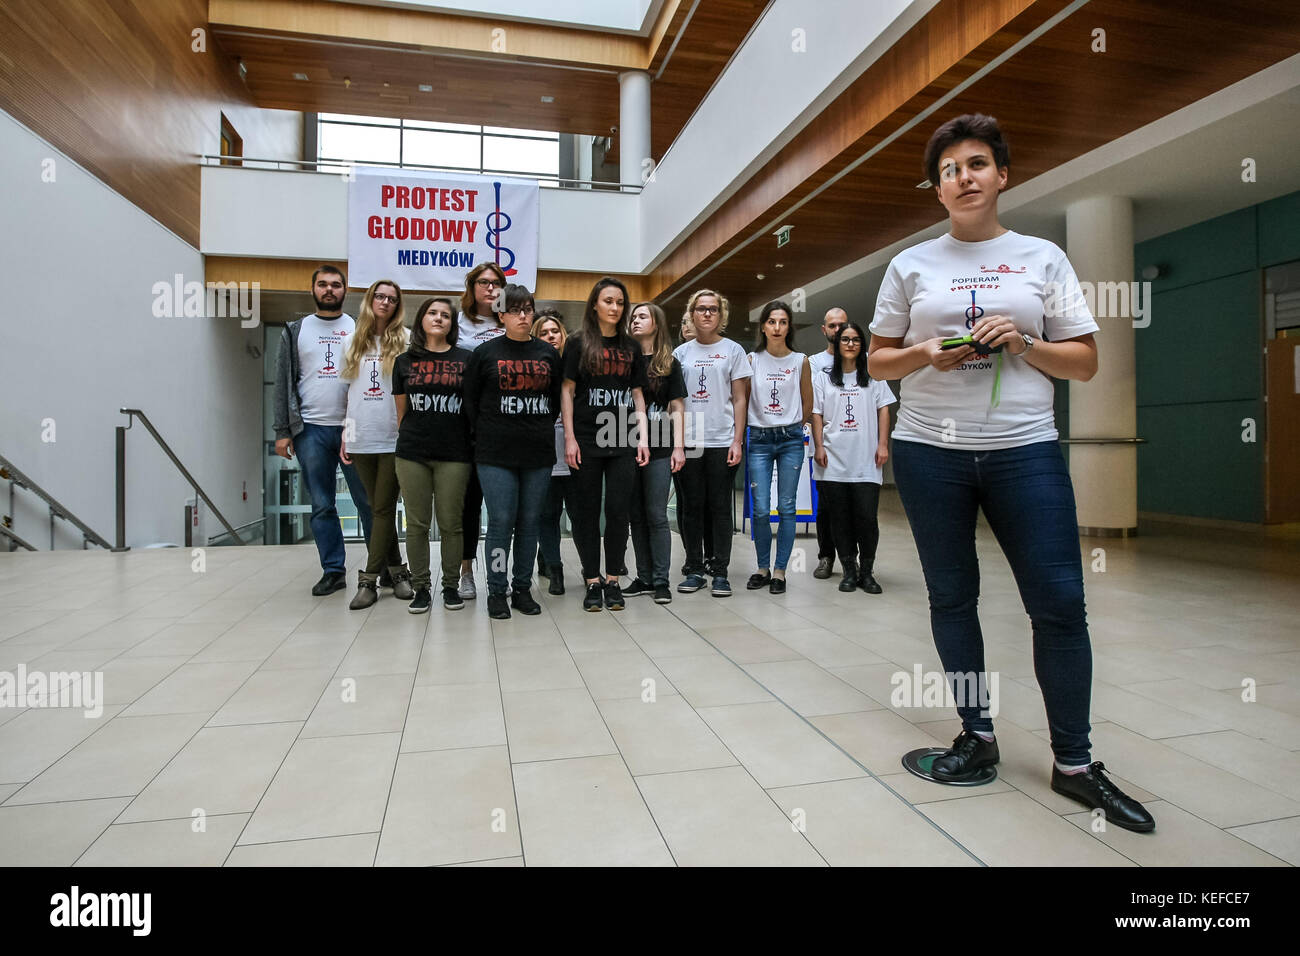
x=1215 y=795
x=309 y=651
x=524 y=631
x=456 y=662
x=273 y=697
x=504 y=861
x=454 y=717
x=166 y=843
x=177 y=639
x=723 y=818
x=1010 y=829
x=1280 y=838
x=748 y=645
x=450 y=806
x=193 y=689
x=860 y=823
x=1180 y=839
x=602 y=640
x=1146 y=716
x=669 y=640
x=1227 y=711
x=222 y=770
x=119 y=761
x=809 y=689
x=1284 y=698
x=619 y=675
x=914 y=790
x=822 y=646
x=585 y=812
x=123 y=635
x=776 y=746
x=544 y=667
x=54 y=834
x=243 y=644
x=127 y=679
x=711 y=681
x=357 y=849
x=877 y=739
x=554 y=724
x=329 y=786
x=1245 y=757
x=664 y=736
x=396 y=654
x=361 y=705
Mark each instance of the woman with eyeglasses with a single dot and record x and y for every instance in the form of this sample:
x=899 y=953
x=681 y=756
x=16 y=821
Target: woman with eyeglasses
x=548 y=327
x=604 y=436
x=433 y=447
x=780 y=403
x=479 y=321
x=370 y=434
x=716 y=373
x=977 y=324
x=665 y=395
x=850 y=426
x=512 y=391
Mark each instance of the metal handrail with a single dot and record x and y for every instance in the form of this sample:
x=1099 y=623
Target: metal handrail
x=297 y=166
x=15 y=475
x=132 y=414
x=15 y=538
x=243 y=527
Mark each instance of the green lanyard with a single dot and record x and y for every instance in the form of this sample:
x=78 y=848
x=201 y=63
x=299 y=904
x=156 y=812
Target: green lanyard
x=997 y=383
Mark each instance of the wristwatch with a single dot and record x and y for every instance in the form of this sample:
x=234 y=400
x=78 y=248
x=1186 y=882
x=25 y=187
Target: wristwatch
x=1029 y=342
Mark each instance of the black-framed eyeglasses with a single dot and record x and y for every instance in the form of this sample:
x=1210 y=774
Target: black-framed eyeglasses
x=850 y=341
x=707 y=309
x=385 y=297
x=489 y=283
x=526 y=310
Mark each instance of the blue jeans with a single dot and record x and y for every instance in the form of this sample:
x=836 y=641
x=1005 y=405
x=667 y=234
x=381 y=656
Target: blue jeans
x=782 y=447
x=1026 y=495
x=317 y=448
x=651 y=541
x=514 y=499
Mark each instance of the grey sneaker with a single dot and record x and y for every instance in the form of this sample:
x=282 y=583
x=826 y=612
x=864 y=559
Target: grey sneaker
x=467 y=591
x=401 y=585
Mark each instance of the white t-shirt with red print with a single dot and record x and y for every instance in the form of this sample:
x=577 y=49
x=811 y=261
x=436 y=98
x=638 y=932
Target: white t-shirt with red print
x=708 y=371
x=850 y=427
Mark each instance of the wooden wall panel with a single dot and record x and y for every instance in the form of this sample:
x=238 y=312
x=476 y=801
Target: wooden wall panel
x=117 y=86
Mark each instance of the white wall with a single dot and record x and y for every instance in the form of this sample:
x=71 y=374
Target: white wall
x=78 y=263
x=297 y=215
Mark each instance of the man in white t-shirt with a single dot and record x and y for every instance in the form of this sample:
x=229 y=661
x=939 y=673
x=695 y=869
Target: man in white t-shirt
x=311 y=402
x=832 y=322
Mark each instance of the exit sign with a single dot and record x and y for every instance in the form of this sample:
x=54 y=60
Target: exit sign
x=782 y=236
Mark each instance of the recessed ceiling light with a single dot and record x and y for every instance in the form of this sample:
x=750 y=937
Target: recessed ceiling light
x=300 y=76
x=760 y=277
x=548 y=99
x=426 y=88
x=925 y=185
x=780 y=265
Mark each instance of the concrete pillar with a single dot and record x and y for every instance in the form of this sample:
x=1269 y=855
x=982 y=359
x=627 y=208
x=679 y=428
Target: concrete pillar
x=633 y=126
x=584 y=160
x=1099 y=237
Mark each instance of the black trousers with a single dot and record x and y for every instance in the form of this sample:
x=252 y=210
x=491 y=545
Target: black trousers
x=825 y=540
x=707 y=482
x=614 y=475
x=852 y=508
x=681 y=519
x=471 y=515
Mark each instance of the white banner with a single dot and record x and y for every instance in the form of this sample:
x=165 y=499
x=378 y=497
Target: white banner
x=427 y=231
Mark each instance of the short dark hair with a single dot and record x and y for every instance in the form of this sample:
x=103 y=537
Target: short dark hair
x=967 y=126
x=775 y=306
x=516 y=297
x=334 y=270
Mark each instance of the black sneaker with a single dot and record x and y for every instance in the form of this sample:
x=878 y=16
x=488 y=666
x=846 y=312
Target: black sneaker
x=595 y=599
x=521 y=599
x=330 y=582
x=637 y=588
x=420 y=603
x=757 y=580
x=613 y=596
x=721 y=587
x=691 y=583
x=451 y=599
x=498 y=607
x=970 y=752
x=663 y=594
x=1093 y=790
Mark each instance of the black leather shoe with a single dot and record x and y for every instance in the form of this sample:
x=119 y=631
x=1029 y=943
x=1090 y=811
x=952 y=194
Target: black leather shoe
x=1093 y=790
x=969 y=753
x=330 y=582
x=868 y=583
x=849 y=582
x=777 y=586
x=758 y=580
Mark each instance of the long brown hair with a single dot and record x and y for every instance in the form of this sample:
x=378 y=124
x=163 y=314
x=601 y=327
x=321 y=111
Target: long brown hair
x=391 y=344
x=661 y=347
x=468 y=304
x=420 y=338
x=589 y=337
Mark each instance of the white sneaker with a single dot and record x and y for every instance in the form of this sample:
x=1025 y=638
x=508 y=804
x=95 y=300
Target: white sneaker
x=466 y=590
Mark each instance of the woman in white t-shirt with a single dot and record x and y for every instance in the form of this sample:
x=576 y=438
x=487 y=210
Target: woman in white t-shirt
x=850 y=426
x=975 y=433
x=716 y=372
x=479 y=322
x=370 y=433
x=780 y=403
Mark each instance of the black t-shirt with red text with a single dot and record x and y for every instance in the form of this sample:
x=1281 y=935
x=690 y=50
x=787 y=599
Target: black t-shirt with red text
x=604 y=415
x=659 y=391
x=512 y=390
x=436 y=424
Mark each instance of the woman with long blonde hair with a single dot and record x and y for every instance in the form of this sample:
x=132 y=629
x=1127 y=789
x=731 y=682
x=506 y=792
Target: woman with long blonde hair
x=370 y=434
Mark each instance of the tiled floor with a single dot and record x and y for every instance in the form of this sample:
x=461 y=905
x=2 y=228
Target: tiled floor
x=247 y=723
